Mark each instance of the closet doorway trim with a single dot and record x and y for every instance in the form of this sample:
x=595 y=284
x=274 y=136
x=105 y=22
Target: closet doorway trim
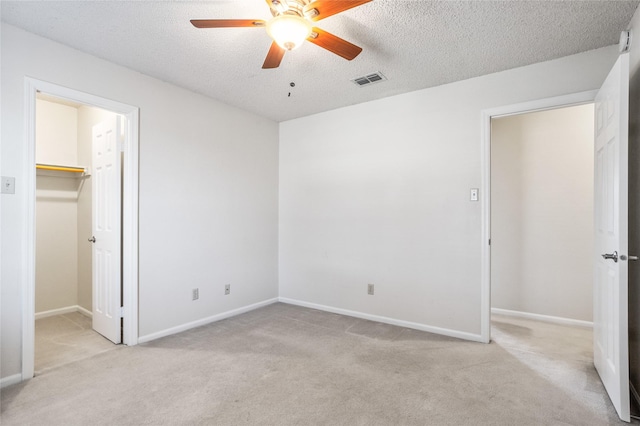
x=129 y=213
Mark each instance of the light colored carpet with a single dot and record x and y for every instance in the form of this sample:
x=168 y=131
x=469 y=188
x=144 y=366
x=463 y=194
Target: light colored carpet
x=66 y=338
x=286 y=365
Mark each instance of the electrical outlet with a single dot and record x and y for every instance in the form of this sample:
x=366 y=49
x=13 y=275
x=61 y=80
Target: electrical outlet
x=195 y=294
x=370 y=289
x=227 y=289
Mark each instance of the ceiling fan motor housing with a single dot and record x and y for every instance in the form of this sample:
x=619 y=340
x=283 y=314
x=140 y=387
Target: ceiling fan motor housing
x=289 y=7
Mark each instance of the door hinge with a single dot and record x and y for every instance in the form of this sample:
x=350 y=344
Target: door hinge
x=489 y=241
x=121 y=311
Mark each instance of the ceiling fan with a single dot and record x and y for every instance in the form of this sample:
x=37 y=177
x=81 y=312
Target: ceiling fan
x=292 y=24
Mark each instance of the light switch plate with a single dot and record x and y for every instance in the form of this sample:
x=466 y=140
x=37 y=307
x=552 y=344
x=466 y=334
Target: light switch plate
x=474 y=194
x=8 y=185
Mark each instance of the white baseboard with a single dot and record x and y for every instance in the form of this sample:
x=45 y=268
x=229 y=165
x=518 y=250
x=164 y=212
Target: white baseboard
x=59 y=311
x=65 y=310
x=85 y=312
x=204 y=321
x=10 y=380
x=417 y=326
x=545 y=318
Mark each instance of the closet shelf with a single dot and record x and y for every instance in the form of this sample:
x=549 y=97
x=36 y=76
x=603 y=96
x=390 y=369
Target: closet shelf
x=61 y=171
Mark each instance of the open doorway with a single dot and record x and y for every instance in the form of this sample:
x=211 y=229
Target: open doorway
x=610 y=198
x=488 y=117
x=122 y=150
x=65 y=215
x=542 y=243
x=542 y=215
x=542 y=240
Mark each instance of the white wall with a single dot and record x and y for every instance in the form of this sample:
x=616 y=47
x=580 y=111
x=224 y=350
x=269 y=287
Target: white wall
x=56 y=208
x=56 y=133
x=542 y=212
x=208 y=190
x=379 y=193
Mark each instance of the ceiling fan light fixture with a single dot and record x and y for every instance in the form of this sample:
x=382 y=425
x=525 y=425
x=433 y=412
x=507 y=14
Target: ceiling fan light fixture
x=289 y=31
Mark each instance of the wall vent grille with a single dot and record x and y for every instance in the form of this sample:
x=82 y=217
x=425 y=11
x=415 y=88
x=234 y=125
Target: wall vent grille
x=369 y=79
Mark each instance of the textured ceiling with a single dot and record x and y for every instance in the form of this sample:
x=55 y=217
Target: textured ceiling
x=415 y=44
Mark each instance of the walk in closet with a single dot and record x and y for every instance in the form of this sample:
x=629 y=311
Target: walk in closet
x=63 y=296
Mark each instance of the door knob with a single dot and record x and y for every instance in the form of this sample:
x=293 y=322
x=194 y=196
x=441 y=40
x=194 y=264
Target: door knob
x=92 y=239
x=613 y=256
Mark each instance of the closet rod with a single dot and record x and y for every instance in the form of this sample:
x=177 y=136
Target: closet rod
x=60 y=168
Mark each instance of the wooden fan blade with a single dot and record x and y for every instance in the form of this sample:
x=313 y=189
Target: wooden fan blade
x=274 y=57
x=326 y=8
x=334 y=44
x=227 y=23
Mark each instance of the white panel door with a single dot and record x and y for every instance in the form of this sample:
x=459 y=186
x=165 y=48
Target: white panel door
x=106 y=179
x=611 y=342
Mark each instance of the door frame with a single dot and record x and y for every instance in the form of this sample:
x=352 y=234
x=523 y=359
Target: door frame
x=574 y=99
x=129 y=212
